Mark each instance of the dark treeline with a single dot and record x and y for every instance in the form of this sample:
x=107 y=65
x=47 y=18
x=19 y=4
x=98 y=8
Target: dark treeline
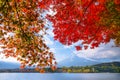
x=113 y=67
x=104 y=67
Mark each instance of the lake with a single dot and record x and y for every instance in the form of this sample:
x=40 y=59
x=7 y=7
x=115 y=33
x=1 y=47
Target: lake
x=60 y=76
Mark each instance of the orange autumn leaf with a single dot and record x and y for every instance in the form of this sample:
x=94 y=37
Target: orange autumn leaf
x=91 y=22
x=78 y=48
x=117 y=2
x=22 y=19
x=22 y=66
x=53 y=68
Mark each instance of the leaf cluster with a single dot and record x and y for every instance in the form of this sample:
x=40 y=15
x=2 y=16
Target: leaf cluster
x=22 y=27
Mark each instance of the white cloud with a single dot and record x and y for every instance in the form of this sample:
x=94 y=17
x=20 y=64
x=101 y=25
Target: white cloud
x=68 y=47
x=73 y=45
x=3 y=58
x=48 y=41
x=51 y=12
x=10 y=59
x=102 y=52
x=50 y=32
x=60 y=57
x=53 y=50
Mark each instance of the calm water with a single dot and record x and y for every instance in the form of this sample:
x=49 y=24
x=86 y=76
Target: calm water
x=60 y=76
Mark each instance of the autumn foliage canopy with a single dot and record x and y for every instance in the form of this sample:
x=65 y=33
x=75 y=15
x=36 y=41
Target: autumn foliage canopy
x=22 y=27
x=91 y=21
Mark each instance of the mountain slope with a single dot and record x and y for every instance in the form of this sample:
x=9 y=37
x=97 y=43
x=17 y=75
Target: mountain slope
x=8 y=65
x=77 y=61
x=108 y=64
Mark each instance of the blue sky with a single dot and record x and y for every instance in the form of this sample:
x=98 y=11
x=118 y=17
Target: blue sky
x=105 y=52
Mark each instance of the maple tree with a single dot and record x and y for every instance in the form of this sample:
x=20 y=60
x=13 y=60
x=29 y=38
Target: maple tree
x=84 y=20
x=22 y=27
x=110 y=18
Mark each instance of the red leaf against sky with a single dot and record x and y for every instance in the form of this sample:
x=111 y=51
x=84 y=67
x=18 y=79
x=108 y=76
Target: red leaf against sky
x=77 y=20
x=78 y=47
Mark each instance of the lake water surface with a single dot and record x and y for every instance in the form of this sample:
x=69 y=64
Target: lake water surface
x=60 y=76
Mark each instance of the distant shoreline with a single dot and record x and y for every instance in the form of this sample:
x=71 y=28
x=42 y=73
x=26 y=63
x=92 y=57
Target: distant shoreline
x=33 y=71
x=113 y=67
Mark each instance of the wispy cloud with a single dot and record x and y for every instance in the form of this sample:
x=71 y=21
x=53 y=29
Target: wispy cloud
x=53 y=50
x=105 y=51
x=48 y=41
x=10 y=59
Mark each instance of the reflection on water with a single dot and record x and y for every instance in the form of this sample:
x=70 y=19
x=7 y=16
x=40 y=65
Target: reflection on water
x=60 y=76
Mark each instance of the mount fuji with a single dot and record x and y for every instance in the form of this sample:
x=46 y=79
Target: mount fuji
x=77 y=61
x=8 y=65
